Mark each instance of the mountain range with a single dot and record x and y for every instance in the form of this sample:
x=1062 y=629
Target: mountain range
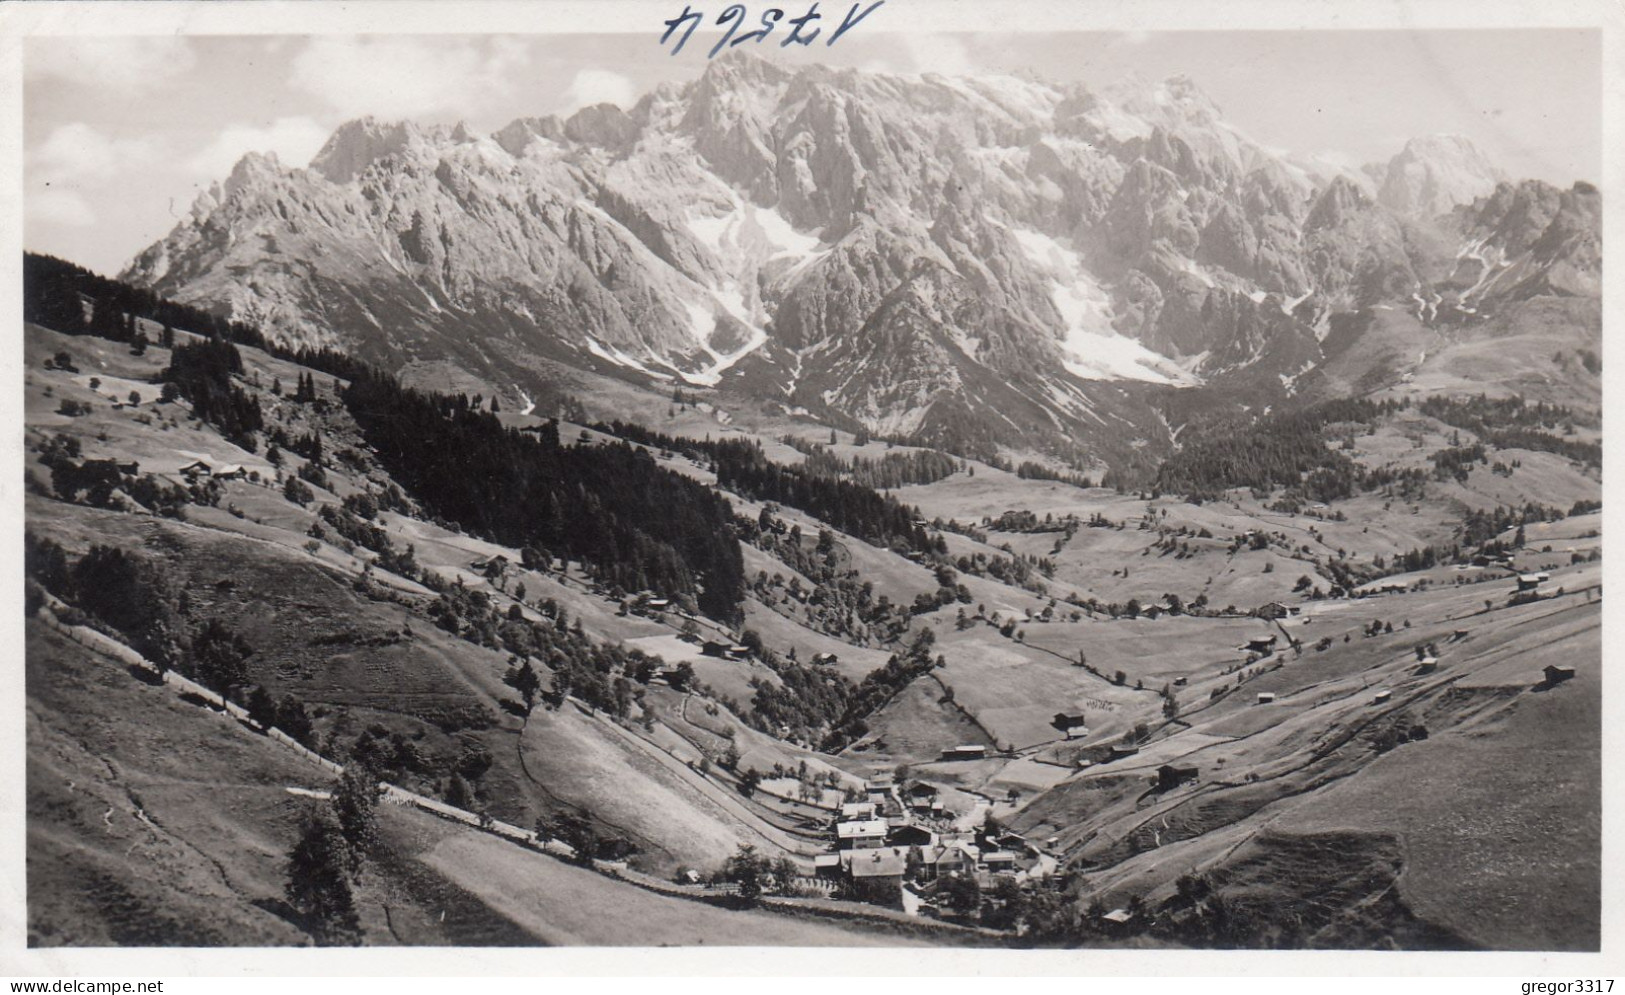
x=983 y=264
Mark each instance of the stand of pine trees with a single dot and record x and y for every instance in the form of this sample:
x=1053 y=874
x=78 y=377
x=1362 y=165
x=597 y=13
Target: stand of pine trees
x=850 y=507
x=202 y=373
x=1284 y=449
x=634 y=524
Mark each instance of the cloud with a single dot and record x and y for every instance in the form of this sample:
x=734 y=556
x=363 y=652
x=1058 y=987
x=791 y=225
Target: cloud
x=294 y=140
x=125 y=65
x=60 y=207
x=395 y=77
x=76 y=151
x=598 y=86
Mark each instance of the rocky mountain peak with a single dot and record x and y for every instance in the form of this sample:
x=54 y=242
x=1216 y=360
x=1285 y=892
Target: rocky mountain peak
x=517 y=135
x=739 y=66
x=358 y=144
x=1342 y=198
x=1435 y=174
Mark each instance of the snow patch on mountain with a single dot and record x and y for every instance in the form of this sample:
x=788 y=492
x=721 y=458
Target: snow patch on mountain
x=1091 y=348
x=619 y=358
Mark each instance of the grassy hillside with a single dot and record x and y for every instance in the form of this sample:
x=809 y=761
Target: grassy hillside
x=173 y=830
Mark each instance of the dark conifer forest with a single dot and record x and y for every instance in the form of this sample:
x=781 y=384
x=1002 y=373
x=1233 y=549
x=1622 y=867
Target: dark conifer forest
x=202 y=373
x=848 y=506
x=635 y=525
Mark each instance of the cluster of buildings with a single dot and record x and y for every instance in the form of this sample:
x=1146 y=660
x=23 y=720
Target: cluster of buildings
x=900 y=834
x=199 y=469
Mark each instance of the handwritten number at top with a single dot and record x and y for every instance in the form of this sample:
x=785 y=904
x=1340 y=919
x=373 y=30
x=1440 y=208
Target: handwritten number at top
x=802 y=30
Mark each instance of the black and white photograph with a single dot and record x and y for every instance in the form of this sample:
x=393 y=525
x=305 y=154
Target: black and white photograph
x=805 y=476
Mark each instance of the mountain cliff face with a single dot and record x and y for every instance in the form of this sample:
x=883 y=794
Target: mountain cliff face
x=979 y=263
x=1435 y=174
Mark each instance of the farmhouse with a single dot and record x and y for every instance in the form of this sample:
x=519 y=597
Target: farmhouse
x=197 y=469
x=1557 y=675
x=1528 y=582
x=998 y=861
x=966 y=752
x=1121 y=750
x=231 y=471
x=713 y=648
x=1265 y=645
x=1427 y=665
x=911 y=835
x=921 y=797
x=877 y=867
x=1171 y=776
x=1266 y=697
x=1382 y=696
x=1008 y=841
x=1071 y=723
x=934 y=862
x=857 y=811
x=864 y=834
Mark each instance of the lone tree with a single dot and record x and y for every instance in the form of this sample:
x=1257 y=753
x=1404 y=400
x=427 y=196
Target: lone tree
x=746 y=868
x=962 y=893
x=355 y=806
x=318 y=885
x=683 y=677
x=528 y=684
x=262 y=707
x=220 y=657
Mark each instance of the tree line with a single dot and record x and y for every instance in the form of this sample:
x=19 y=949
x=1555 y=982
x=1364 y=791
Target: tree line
x=54 y=290
x=848 y=506
x=892 y=470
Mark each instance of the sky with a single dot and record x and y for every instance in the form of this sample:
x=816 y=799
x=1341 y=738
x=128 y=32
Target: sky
x=121 y=133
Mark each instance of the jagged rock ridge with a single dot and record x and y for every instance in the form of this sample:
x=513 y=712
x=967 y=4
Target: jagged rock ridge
x=975 y=262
